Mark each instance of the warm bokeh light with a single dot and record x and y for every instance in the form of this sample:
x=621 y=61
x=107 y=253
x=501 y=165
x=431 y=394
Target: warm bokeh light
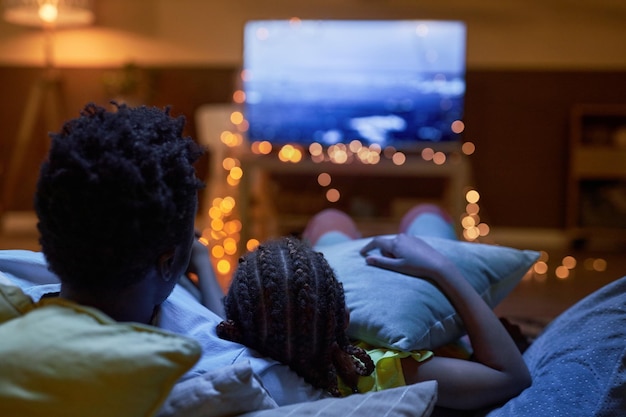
x=472 y=196
x=468 y=148
x=239 y=96
x=472 y=208
x=316 y=149
x=355 y=146
x=373 y=158
x=290 y=153
x=252 y=244
x=236 y=117
x=324 y=179
x=458 y=126
x=265 y=147
x=333 y=195
x=217 y=224
x=232 y=227
x=599 y=265
x=223 y=266
x=229 y=163
x=227 y=204
x=338 y=153
x=233 y=182
x=398 y=158
x=389 y=152
x=230 y=246
x=471 y=233
x=48 y=12
x=215 y=213
x=540 y=267
x=561 y=272
x=468 y=222
x=243 y=126
x=569 y=262
x=427 y=154
x=217 y=251
x=439 y=158
x=236 y=173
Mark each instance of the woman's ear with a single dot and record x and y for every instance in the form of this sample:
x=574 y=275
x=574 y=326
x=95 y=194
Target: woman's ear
x=166 y=265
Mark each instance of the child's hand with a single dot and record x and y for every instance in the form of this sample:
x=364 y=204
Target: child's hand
x=408 y=255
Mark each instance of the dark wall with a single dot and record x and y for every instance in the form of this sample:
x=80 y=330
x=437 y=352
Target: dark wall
x=519 y=121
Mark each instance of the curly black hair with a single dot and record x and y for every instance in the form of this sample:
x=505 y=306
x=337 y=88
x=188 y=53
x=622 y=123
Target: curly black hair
x=116 y=188
x=286 y=303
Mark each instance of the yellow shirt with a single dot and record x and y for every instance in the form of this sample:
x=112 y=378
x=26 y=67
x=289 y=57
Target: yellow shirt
x=388 y=369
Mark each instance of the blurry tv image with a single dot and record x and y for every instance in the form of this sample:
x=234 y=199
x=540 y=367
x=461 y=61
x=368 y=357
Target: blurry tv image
x=392 y=83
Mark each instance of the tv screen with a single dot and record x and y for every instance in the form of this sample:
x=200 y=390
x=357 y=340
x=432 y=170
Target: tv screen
x=393 y=83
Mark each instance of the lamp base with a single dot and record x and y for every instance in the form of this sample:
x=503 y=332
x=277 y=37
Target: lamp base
x=44 y=101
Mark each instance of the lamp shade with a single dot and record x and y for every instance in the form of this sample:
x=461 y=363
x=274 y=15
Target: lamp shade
x=57 y=13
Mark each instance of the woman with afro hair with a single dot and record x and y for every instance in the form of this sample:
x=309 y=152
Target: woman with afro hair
x=286 y=303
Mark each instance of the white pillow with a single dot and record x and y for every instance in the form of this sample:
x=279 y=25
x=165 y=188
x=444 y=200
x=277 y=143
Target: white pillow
x=407 y=313
x=222 y=392
x=417 y=400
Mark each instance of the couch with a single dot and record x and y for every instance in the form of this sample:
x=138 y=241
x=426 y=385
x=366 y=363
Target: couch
x=58 y=358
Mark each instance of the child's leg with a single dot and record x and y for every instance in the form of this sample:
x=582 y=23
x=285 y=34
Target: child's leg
x=428 y=220
x=330 y=226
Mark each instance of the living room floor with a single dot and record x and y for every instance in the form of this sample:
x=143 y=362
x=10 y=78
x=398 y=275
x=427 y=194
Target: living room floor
x=538 y=298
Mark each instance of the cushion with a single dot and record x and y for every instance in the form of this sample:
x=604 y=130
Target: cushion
x=61 y=359
x=578 y=364
x=417 y=400
x=227 y=391
x=420 y=316
x=18 y=264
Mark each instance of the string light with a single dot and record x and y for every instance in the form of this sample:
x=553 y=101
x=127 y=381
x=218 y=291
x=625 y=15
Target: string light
x=223 y=237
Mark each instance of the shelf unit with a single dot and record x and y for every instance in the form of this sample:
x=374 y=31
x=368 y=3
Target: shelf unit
x=597 y=173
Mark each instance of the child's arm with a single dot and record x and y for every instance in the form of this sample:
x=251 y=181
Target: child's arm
x=499 y=373
x=210 y=290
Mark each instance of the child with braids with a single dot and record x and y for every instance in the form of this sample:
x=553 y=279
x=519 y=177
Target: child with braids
x=286 y=303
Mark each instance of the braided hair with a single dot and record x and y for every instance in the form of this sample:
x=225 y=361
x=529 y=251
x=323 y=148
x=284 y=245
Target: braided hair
x=286 y=303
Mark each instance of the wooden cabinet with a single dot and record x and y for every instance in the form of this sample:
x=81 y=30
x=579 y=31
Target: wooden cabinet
x=597 y=173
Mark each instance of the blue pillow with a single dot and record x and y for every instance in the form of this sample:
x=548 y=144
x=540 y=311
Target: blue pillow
x=399 y=311
x=578 y=364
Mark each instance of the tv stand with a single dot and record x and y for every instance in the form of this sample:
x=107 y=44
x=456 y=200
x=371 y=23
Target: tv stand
x=278 y=198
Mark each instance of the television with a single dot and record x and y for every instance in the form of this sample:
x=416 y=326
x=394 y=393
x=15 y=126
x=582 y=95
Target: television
x=398 y=83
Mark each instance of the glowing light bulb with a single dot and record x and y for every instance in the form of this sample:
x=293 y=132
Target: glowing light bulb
x=48 y=12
